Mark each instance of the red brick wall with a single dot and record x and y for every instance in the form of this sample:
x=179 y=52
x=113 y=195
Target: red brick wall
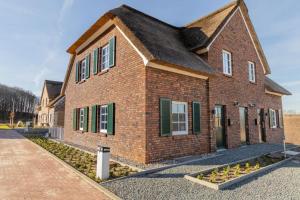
x=124 y=85
x=163 y=84
x=292 y=128
x=225 y=90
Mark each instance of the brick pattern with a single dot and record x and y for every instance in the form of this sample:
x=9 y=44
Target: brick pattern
x=225 y=90
x=29 y=172
x=292 y=128
x=162 y=84
x=124 y=85
x=136 y=90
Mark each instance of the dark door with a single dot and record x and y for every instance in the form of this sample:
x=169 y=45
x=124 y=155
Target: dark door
x=262 y=125
x=220 y=126
x=244 y=126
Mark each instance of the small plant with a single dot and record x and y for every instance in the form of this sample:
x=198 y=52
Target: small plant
x=247 y=167
x=237 y=170
x=257 y=166
x=226 y=172
x=212 y=177
x=200 y=176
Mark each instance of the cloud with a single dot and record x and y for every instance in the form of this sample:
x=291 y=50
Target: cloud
x=63 y=11
x=292 y=83
x=54 y=51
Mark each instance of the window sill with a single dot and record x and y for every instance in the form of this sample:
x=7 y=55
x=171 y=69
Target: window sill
x=253 y=82
x=227 y=75
x=82 y=81
x=103 y=72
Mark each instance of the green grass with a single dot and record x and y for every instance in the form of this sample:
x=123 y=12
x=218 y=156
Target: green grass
x=4 y=126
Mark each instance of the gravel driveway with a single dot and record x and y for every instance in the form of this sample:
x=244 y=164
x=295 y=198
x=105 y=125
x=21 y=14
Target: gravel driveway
x=281 y=183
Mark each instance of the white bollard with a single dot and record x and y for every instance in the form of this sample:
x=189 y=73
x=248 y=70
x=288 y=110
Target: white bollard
x=103 y=155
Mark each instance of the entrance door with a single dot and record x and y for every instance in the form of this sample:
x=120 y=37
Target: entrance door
x=220 y=126
x=244 y=127
x=261 y=125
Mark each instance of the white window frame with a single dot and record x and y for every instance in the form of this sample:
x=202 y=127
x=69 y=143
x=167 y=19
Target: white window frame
x=82 y=69
x=81 y=119
x=227 y=64
x=185 y=132
x=101 y=119
x=273 y=119
x=251 y=72
x=105 y=64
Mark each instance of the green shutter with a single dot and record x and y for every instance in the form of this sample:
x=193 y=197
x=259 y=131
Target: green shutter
x=75 y=119
x=112 y=47
x=77 y=72
x=196 y=117
x=111 y=119
x=87 y=73
x=165 y=117
x=95 y=68
x=94 y=119
x=86 y=119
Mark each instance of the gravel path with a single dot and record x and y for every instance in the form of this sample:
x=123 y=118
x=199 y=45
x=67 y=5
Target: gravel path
x=282 y=183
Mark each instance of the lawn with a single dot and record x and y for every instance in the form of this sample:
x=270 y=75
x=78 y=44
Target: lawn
x=4 y=126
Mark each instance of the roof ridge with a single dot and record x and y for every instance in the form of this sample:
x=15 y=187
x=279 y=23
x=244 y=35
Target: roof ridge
x=51 y=81
x=149 y=16
x=236 y=2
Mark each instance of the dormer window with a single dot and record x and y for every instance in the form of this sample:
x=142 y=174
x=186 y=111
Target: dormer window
x=227 y=63
x=251 y=70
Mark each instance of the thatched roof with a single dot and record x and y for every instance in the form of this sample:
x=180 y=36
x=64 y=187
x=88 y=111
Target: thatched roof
x=53 y=88
x=162 y=40
x=272 y=86
x=200 y=32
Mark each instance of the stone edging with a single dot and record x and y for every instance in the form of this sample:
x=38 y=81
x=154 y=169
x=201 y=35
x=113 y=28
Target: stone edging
x=84 y=177
x=192 y=177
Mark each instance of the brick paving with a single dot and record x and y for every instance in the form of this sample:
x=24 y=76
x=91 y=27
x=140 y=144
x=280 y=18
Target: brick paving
x=28 y=172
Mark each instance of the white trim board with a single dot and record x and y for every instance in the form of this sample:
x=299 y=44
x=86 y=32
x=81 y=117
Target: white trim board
x=273 y=93
x=174 y=70
x=228 y=20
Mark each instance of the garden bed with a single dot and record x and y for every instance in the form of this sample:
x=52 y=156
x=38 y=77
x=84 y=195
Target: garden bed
x=227 y=175
x=80 y=160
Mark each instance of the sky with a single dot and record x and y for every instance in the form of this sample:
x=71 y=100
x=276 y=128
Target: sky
x=35 y=34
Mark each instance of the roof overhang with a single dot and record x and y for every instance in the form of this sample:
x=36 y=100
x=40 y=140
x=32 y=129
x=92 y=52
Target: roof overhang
x=176 y=69
x=273 y=93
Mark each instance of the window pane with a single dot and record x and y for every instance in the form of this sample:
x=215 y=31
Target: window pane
x=175 y=127
x=174 y=117
x=181 y=108
x=174 y=108
x=182 y=127
x=182 y=117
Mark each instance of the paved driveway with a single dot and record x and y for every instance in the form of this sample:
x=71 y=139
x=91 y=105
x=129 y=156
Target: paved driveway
x=27 y=172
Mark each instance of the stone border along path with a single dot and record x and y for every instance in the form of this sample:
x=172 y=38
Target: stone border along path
x=170 y=184
x=27 y=171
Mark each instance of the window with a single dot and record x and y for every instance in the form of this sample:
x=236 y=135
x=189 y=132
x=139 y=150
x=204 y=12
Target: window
x=251 y=70
x=82 y=69
x=227 y=63
x=81 y=119
x=273 y=119
x=103 y=118
x=179 y=118
x=105 y=57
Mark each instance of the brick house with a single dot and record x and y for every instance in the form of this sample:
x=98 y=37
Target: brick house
x=48 y=106
x=152 y=91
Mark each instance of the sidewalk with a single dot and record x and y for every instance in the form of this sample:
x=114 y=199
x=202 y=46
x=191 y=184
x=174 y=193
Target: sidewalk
x=28 y=172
